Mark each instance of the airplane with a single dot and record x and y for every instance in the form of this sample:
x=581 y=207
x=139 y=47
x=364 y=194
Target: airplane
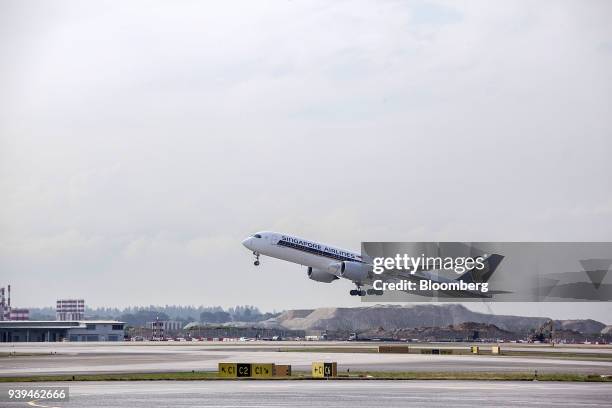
x=327 y=263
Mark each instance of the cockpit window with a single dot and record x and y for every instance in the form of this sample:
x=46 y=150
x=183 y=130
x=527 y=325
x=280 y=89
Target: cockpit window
x=257 y=235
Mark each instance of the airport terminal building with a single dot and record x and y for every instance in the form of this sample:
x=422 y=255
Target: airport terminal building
x=53 y=330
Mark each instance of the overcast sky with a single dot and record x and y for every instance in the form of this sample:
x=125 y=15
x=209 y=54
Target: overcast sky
x=141 y=141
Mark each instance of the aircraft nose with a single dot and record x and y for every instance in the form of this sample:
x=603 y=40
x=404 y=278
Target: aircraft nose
x=248 y=243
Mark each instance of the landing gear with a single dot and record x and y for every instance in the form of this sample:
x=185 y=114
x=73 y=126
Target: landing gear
x=362 y=292
x=256 y=263
x=358 y=291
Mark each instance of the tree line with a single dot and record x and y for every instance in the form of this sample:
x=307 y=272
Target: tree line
x=140 y=315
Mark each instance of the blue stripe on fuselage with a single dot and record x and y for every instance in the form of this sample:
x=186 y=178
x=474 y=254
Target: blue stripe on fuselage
x=313 y=249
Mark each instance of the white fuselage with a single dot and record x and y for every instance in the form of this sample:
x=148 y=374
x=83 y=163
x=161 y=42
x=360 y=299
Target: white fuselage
x=327 y=263
x=300 y=251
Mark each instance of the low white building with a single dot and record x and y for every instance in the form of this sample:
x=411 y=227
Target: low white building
x=97 y=330
x=53 y=330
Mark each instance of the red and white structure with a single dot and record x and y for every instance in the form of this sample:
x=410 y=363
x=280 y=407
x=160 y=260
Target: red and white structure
x=19 y=314
x=70 y=309
x=6 y=311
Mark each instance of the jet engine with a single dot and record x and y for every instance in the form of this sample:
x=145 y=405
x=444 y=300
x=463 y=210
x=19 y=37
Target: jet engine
x=321 y=276
x=355 y=271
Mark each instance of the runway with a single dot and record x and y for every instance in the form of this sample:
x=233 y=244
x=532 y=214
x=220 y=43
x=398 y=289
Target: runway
x=328 y=394
x=91 y=358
